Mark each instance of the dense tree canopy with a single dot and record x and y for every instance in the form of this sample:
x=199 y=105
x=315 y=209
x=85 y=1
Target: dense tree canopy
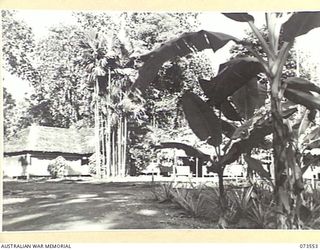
x=58 y=69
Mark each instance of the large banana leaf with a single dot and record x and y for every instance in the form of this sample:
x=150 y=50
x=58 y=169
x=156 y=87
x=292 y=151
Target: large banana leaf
x=231 y=156
x=240 y=17
x=226 y=107
x=252 y=132
x=314 y=144
x=227 y=128
x=229 y=111
x=303 y=97
x=202 y=119
x=301 y=84
x=261 y=120
x=231 y=77
x=250 y=135
x=243 y=146
x=185 y=44
x=189 y=150
x=249 y=97
x=312 y=135
x=300 y=23
x=256 y=165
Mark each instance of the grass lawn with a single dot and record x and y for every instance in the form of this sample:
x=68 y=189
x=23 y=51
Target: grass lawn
x=86 y=205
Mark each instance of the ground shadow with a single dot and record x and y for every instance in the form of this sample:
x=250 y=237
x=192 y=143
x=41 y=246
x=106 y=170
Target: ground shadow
x=77 y=205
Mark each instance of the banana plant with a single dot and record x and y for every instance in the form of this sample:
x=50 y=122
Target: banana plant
x=235 y=95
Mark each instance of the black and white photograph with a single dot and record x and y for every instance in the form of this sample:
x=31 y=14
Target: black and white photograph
x=160 y=120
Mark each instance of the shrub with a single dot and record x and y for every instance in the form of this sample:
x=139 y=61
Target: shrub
x=58 y=167
x=253 y=206
x=310 y=210
x=197 y=204
x=197 y=200
x=163 y=192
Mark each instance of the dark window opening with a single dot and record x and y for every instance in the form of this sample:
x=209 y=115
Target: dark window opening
x=84 y=161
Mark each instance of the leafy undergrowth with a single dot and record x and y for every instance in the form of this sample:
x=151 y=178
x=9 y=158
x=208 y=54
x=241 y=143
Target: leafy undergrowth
x=246 y=207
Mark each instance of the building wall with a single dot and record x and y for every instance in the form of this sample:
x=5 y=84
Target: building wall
x=313 y=172
x=37 y=165
x=12 y=166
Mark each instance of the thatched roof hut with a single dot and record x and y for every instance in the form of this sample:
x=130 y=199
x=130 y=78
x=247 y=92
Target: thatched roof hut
x=52 y=140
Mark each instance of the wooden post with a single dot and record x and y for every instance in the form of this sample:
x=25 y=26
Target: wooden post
x=202 y=172
x=197 y=167
x=28 y=164
x=174 y=163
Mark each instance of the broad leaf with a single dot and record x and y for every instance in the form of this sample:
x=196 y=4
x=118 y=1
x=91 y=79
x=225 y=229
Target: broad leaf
x=314 y=144
x=296 y=180
x=249 y=98
x=256 y=165
x=238 y=148
x=288 y=112
x=189 y=150
x=262 y=119
x=312 y=135
x=185 y=44
x=259 y=124
x=302 y=97
x=231 y=77
x=300 y=23
x=231 y=156
x=229 y=111
x=284 y=198
x=303 y=125
x=240 y=17
x=206 y=85
x=202 y=119
x=252 y=132
x=301 y=84
x=227 y=128
x=312 y=115
x=305 y=213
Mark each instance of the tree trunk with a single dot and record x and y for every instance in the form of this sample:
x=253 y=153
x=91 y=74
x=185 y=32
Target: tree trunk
x=279 y=151
x=114 y=148
x=97 y=130
x=102 y=147
x=223 y=200
x=124 y=142
x=285 y=167
x=120 y=147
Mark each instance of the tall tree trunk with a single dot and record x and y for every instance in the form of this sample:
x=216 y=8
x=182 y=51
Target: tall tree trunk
x=288 y=178
x=125 y=144
x=119 y=147
x=102 y=147
x=108 y=127
x=222 y=195
x=107 y=146
x=113 y=147
x=280 y=160
x=97 y=130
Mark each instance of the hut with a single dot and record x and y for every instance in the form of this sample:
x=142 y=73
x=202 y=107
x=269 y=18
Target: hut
x=312 y=174
x=32 y=149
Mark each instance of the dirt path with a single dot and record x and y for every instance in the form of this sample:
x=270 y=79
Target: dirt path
x=76 y=205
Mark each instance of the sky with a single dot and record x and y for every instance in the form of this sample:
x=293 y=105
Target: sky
x=40 y=21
